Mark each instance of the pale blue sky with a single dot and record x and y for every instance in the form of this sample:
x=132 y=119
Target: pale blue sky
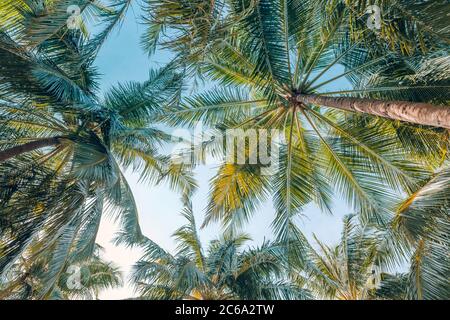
x=121 y=60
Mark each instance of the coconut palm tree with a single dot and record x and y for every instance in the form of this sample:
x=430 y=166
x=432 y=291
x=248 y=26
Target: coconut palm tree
x=279 y=64
x=349 y=270
x=82 y=279
x=225 y=271
x=62 y=146
x=366 y=262
x=406 y=26
x=422 y=221
x=197 y=29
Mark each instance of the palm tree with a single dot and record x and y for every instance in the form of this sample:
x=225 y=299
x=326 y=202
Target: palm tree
x=225 y=271
x=422 y=221
x=361 y=266
x=276 y=63
x=291 y=43
x=62 y=146
x=278 y=60
x=406 y=26
x=349 y=270
x=26 y=279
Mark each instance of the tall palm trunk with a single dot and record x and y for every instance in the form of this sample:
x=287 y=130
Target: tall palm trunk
x=414 y=112
x=28 y=147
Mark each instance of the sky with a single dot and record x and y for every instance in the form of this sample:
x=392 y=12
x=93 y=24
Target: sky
x=122 y=59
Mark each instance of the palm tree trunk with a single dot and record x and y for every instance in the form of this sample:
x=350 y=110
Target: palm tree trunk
x=28 y=147
x=414 y=112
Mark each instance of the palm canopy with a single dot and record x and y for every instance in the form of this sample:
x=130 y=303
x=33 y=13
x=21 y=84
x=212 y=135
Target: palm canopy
x=65 y=146
x=193 y=28
x=62 y=146
x=276 y=54
x=406 y=26
x=422 y=221
x=82 y=279
x=351 y=270
x=362 y=265
x=224 y=271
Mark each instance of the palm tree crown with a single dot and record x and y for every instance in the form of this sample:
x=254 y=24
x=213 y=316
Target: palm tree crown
x=225 y=271
x=81 y=279
x=363 y=112
x=277 y=61
x=63 y=146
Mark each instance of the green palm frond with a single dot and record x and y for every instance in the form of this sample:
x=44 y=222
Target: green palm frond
x=64 y=146
x=188 y=239
x=279 y=50
x=424 y=220
x=225 y=271
x=28 y=278
x=348 y=270
x=405 y=26
x=111 y=16
x=189 y=28
x=236 y=192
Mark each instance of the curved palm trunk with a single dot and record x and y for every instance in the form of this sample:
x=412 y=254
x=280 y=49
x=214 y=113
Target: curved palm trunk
x=28 y=147
x=414 y=112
